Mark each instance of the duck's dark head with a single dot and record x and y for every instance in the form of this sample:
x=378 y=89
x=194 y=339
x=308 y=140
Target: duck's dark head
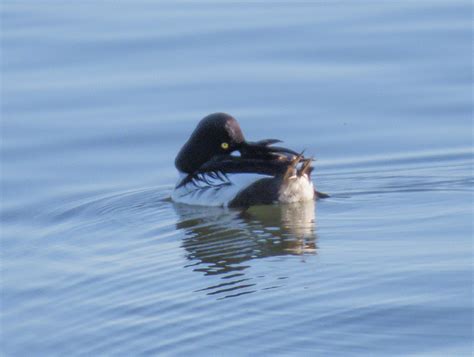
x=216 y=134
x=219 y=135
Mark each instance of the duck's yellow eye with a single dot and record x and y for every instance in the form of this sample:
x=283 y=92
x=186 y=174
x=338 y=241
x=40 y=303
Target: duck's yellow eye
x=225 y=146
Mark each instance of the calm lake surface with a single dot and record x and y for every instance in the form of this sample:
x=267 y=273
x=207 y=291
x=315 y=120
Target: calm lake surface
x=97 y=98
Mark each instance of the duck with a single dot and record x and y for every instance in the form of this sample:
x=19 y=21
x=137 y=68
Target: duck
x=219 y=167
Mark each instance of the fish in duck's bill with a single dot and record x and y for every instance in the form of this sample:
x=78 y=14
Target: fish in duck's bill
x=218 y=167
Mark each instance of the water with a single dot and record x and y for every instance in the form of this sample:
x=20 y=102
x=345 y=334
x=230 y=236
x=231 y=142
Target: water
x=97 y=99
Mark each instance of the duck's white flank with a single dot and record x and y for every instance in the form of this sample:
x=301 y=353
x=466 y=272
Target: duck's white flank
x=218 y=195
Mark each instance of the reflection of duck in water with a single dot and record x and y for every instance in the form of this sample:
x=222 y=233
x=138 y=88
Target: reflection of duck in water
x=220 y=241
x=220 y=168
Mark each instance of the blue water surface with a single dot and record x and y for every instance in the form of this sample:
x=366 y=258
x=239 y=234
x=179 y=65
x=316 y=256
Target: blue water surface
x=98 y=97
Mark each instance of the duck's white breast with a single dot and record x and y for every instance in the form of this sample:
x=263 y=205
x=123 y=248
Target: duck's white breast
x=217 y=193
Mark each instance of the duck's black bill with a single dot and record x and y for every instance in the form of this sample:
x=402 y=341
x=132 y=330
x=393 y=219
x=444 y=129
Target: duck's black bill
x=263 y=149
